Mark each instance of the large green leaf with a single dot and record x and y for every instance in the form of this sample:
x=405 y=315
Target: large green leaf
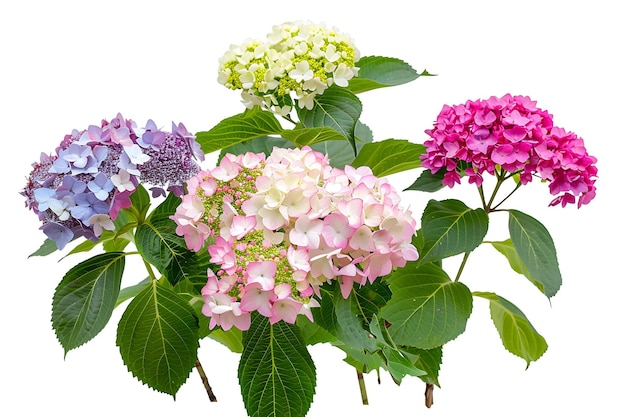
x=84 y=300
x=536 y=250
x=389 y=156
x=449 y=227
x=517 y=333
x=276 y=373
x=340 y=152
x=158 y=338
x=426 y=309
x=239 y=128
x=379 y=71
x=337 y=108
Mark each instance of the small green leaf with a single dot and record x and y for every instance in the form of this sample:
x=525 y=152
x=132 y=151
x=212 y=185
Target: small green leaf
x=158 y=338
x=158 y=243
x=141 y=202
x=428 y=182
x=231 y=338
x=130 y=292
x=84 y=300
x=536 y=250
x=430 y=361
x=276 y=372
x=350 y=327
x=261 y=144
x=47 y=247
x=340 y=152
x=304 y=136
x=426 y=309
x=449 y=227
x=507 y=249
x=337 y=108
x=239 y=128
x=397 y=361
x=517 y=333
x=378 y=72
x=389 y=156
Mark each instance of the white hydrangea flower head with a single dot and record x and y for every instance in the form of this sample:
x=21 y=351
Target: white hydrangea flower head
x=298 y=61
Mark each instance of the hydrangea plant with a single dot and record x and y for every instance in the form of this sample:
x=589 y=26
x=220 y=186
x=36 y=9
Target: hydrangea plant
x=296 y=236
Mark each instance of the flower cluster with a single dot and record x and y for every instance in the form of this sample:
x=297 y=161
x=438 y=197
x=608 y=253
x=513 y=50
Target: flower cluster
x=286 y=224
x=510 y=133
x=79 y=190
x=299 y=59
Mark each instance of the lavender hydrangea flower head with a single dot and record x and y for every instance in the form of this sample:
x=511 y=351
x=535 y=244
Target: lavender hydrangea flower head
x=80 y=189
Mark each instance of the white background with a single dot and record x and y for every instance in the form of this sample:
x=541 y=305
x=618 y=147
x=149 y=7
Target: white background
x=66 y=65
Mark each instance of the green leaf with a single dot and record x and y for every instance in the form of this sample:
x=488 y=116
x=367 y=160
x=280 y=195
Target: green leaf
x=340 y=152
x=303 y=136
x=85 y=298
x=232 y=338
x=47 y=247
x=158 y=243
x=141 y=202
x=507 y=249
x=276 y=373
x=130 y=292
x=397 y=361
x=378 y=72
x=536 y=250
x=449 y=227
x=261 y=144
x=313 y=333
x=158 y=338
x=517 y=333
x=426 y=309
x=337 y=108
x=239 y=128
x=430 y=361
x=389 y=156
x=428 y=182
x=350 y=327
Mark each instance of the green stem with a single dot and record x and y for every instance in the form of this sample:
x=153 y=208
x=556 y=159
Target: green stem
x=481 y=191
x=463 y=262
x=359 y=376
x=289 y=119
x=519 y=184
x=149 y=268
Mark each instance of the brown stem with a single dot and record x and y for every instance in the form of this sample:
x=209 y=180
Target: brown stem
x=205 y=382
x=428 y=395
x=359 y=376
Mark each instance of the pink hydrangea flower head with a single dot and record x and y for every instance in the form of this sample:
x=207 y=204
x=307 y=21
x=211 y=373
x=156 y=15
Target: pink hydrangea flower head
x=512 y=134
x=286 y=224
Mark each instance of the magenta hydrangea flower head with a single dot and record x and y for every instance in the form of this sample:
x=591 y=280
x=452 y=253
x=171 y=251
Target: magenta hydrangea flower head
x=297 y=60
x=286 y=224
x=79 y=190
x=511 y=134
